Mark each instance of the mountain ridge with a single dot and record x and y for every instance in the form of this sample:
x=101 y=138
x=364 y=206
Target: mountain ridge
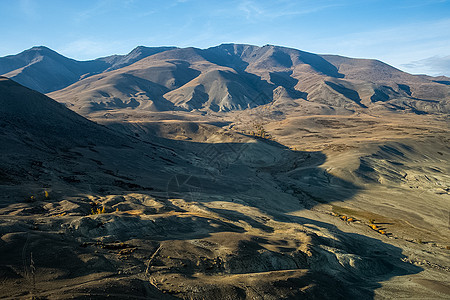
x=330 y=80
x=29 y=68
x=170 y=197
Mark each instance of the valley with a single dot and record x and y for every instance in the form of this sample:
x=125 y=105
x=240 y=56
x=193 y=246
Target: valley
x=234 y=172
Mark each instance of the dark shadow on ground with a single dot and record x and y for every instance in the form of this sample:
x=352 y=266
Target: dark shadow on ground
x=262 y=174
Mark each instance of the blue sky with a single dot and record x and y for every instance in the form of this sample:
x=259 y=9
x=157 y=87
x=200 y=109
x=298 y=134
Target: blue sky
x=412 y=35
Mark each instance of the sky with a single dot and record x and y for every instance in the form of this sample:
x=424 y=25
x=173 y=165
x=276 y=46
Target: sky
x=411 y=35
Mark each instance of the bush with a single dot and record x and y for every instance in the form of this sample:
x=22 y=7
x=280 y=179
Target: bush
x=98 y=211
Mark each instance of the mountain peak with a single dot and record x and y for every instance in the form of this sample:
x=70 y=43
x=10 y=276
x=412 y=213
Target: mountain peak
x=150 y=50
x=139 y=49
x=251 y=70
x=138 y=53
x=42 y=50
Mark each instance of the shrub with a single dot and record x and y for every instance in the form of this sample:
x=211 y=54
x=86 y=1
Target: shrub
x=98 y=211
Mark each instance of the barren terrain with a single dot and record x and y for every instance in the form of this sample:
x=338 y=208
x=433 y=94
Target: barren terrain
x=286 y=199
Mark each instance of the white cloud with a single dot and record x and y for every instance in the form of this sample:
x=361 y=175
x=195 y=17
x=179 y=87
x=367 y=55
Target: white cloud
x=436 y=66
x=90 y=12
x=398 y=46
x=86 y=49
x=250 y=9
x=29 y=8
x=257 y=11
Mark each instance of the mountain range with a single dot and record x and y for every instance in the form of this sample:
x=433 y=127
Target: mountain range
x=224 y=78
x=234 y=172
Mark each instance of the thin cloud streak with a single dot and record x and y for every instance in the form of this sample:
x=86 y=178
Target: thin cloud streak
x=436 y=66
x=255 y=11
x=87 y=49
x=397 y=46
x=399 y=32
x=29 y=8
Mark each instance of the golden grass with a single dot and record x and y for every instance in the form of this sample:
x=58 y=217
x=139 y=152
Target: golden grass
x=98 y=211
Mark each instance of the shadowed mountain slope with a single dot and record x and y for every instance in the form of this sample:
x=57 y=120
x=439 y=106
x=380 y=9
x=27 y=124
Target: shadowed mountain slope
x=44 y=70
x=221 y=215
x=138 y=53
x=24 y=111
